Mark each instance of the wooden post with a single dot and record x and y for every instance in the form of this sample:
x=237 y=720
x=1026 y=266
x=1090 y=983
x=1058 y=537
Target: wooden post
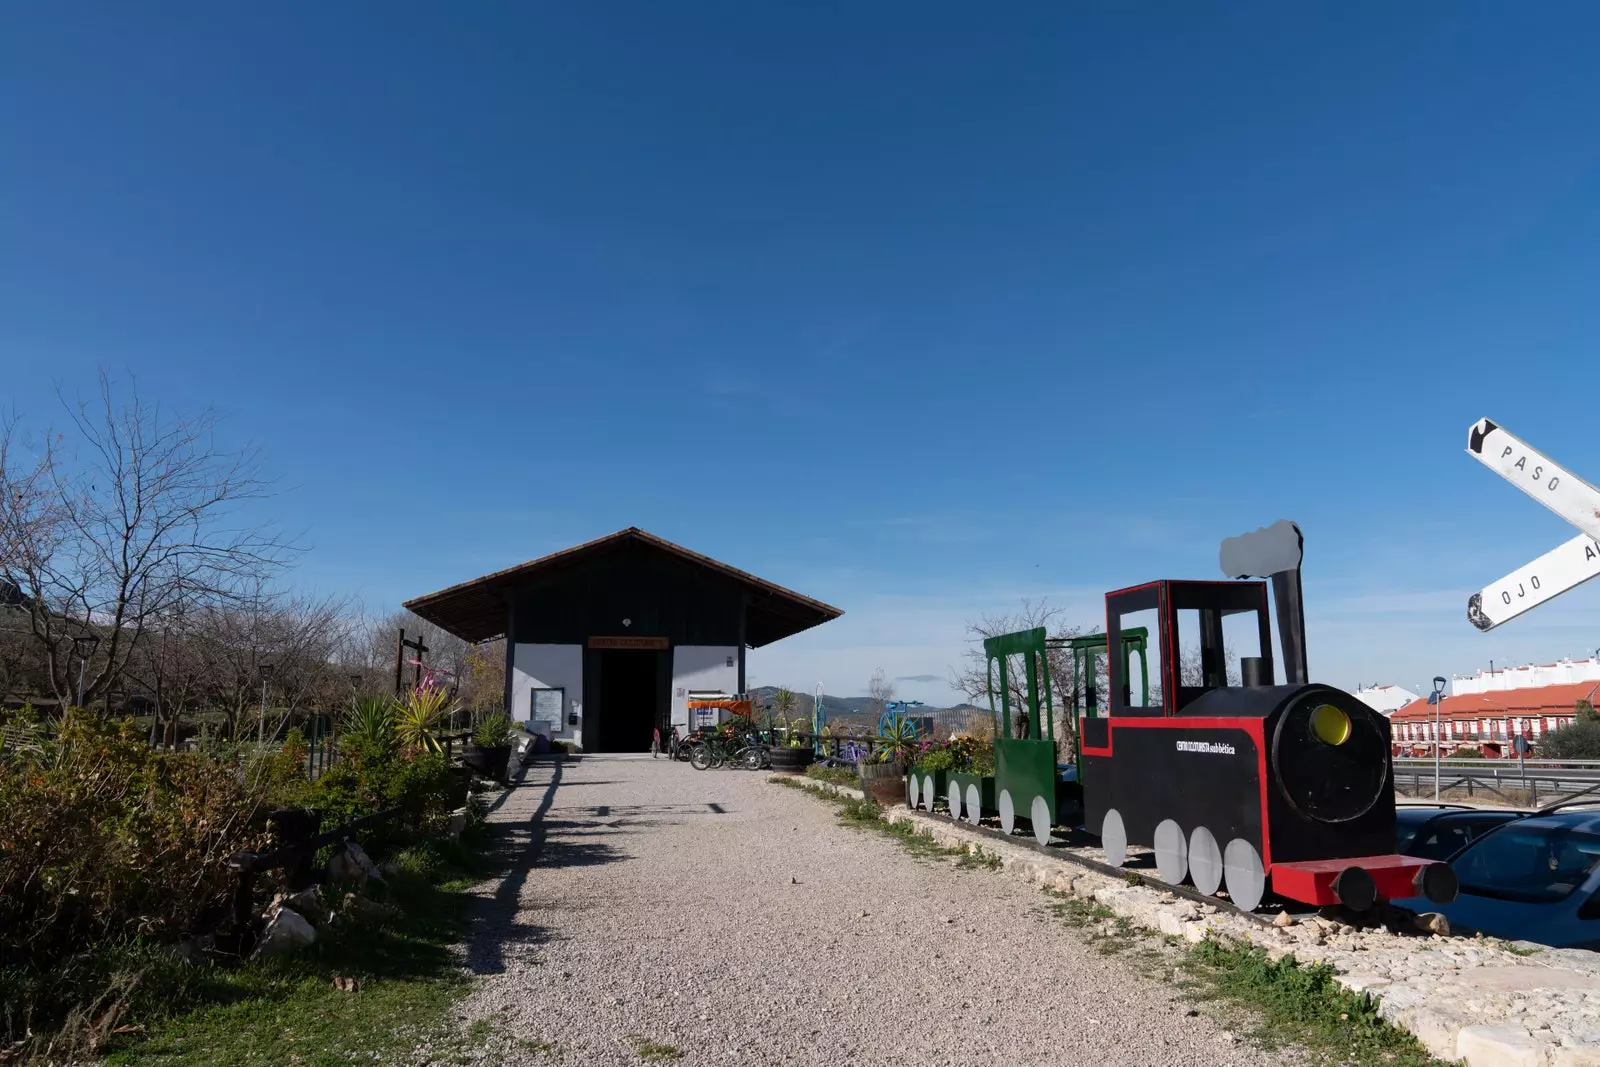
x=399 y=660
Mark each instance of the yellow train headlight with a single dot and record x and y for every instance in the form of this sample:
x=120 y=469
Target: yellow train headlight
x=1330 y=724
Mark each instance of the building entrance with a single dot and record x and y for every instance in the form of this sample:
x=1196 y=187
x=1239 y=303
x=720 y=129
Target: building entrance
x=633 y=699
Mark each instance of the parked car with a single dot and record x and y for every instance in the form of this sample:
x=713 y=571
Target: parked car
x=1439 y=831
x=1531 y=879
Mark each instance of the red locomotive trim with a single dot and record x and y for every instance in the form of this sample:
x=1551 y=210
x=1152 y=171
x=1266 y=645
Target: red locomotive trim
x=1311 y=881
x=1252 y=727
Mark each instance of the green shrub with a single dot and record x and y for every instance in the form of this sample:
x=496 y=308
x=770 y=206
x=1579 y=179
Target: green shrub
x=1578 y=740
x=420 y=783
x=368 y=726
x=105 y=840
x=957 y=755
x=493 y=731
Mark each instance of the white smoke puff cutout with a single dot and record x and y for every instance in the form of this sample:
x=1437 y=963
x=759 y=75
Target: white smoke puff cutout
x=1264 y=552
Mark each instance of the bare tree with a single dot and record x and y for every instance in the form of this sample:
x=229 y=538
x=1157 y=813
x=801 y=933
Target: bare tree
x=123 y=527
x=972 y=678
x=880 y=691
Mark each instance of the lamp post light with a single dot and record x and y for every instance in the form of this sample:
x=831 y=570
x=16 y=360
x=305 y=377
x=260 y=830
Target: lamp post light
x=84 y=645
x=261 y=726
x=1436 y=699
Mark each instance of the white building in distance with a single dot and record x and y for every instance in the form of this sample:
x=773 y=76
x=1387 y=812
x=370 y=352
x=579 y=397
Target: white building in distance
x=1528 y=676
x=1384 y=699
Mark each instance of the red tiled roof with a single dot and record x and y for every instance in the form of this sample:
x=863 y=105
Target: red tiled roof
x=1527 y=700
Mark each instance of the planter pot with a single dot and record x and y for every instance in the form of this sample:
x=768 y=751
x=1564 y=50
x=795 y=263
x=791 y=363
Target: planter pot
x=791 y=760
x=460 y=786
x=924 y=787
x=489 y=762
x=883 y=783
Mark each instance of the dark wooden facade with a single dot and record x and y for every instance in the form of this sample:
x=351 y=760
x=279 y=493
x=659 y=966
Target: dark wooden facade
x=628 y=588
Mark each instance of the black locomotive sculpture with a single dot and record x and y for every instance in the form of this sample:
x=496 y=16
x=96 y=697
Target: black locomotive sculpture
x=1241 y=783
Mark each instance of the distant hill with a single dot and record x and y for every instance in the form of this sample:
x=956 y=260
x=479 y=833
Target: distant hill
x=865 y=711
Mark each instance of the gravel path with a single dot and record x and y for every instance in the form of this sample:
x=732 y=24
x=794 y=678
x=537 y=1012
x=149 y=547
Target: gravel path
x=722 y=916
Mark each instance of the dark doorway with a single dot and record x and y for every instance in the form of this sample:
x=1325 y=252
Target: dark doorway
x=631 y=700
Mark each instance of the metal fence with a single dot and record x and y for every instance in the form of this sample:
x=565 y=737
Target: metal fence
x=1540 y=782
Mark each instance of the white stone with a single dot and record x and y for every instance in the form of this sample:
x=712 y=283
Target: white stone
x=1169 y=922
x=286 y=932
x=1358 y=982
x=1500 y=1045
x=352 y=864
x=458 y=824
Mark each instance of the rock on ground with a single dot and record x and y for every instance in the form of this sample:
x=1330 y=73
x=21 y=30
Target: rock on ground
x=739 y=923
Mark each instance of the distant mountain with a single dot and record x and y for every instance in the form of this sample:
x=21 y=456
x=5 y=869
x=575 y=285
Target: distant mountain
x=865 y=710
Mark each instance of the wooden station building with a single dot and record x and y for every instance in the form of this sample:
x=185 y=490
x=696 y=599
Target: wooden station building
x=605 y=640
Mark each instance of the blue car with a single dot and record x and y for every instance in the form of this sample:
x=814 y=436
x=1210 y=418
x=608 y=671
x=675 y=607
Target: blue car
x=1532 y=879
x=1439 y=831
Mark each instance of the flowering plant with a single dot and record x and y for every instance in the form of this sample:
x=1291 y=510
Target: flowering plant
x=956 y=755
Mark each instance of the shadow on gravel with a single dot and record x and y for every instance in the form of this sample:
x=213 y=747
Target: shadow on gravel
x=519 y=848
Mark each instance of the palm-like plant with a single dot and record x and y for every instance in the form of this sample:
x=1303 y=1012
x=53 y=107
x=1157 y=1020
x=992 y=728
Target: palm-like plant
x=418 y=716
x=369 y=722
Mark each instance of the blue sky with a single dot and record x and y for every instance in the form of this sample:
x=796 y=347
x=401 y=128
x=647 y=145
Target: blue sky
x=916 y=308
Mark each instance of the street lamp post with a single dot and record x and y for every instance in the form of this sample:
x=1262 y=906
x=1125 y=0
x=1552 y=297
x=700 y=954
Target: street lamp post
x=261 y=726
x=1436 y=699
x=84 y=645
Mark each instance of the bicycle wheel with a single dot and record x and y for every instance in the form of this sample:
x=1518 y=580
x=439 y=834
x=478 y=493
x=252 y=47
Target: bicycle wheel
x=700 y=758
x=750 y=758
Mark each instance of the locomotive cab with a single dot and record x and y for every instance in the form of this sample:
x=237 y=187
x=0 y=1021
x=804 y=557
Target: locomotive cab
x=1232 y=779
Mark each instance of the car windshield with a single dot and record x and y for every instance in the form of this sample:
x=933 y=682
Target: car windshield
x=1407 y=821
x=1532 y=864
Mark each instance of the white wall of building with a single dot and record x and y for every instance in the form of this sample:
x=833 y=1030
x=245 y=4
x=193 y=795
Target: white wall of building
x=549 y=667
x=1528 y=676
x=701 y=667
x=1385 y=699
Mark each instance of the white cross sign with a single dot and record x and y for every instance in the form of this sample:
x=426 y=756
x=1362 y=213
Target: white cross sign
x=1575 y=500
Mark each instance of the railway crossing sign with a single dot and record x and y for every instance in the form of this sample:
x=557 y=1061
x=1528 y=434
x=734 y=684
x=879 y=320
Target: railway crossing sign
x=1562 y=568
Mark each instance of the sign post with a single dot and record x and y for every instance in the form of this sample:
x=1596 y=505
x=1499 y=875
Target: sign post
x=1435 y=698
x=1575 y=500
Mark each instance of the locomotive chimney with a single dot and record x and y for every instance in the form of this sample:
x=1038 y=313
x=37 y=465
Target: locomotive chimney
x=1275 y=552
x=1254 y=671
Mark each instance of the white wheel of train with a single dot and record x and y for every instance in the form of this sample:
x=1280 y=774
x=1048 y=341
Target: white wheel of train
x=1114 y=838
x=1039 y=815
x=1205 y=861
x=954 y=800
x=974 y=805
x=1244 y=873
x=1008 y=814
x=911 y=790
x=1172 y=852
x=927 y=792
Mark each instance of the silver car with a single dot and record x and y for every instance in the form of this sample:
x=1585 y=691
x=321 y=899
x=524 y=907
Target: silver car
x=1534 y=879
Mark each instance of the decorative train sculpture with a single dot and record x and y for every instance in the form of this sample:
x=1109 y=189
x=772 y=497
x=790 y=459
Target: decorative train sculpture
x=1233 y=782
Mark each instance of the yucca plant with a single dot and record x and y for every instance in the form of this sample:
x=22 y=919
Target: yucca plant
x=369 y=723
x=419 y=715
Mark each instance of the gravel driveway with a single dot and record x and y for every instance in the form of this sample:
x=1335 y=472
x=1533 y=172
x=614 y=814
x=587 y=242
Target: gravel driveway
x=739 y=923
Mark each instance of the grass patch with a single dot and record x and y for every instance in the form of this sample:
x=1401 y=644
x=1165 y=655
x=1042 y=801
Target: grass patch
x=305 y=1011
x=1273 y=1003
x=1104 y=930
x=977 y=857
x=834 y=775
x=655 y=1050
x=1303 y=1004
x=865 y=815
x=1520 y=950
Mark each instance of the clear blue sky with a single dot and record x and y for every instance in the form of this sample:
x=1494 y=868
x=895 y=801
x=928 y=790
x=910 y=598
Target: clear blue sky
x=918 y=308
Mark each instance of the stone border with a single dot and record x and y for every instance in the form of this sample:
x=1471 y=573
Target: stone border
x=1486 y=1002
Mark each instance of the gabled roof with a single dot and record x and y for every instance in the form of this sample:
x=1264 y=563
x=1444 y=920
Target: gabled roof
x=1527 y=700
x=476 y=610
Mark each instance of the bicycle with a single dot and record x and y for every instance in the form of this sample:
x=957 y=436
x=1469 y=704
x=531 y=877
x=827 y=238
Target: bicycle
x=718 y=750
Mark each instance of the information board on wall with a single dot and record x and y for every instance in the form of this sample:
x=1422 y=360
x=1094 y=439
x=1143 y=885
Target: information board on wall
x=547 y=706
